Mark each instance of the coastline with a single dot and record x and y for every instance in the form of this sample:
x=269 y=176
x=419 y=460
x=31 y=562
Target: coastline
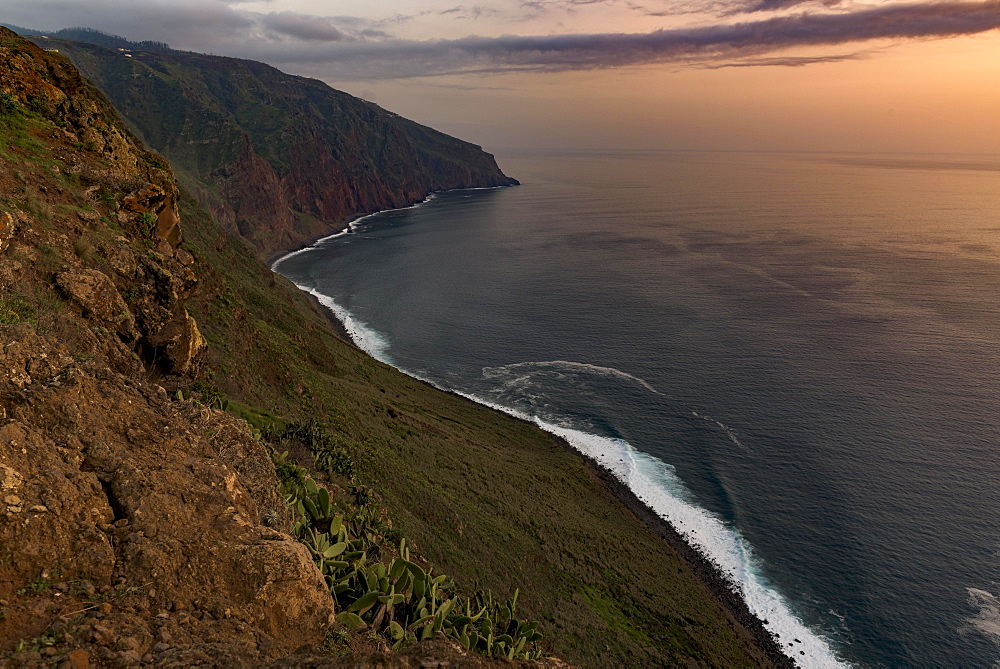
x=343 y=227
x=720 y=587
x=272 y=260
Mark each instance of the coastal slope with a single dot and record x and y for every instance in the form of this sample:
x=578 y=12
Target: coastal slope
x=123 y=298
x=279 y=159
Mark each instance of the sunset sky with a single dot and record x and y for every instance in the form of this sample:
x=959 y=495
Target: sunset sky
x=835 y=75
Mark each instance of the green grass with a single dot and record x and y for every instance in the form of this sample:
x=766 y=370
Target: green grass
x=14 y=311
x=37 y=586
x=16 y=139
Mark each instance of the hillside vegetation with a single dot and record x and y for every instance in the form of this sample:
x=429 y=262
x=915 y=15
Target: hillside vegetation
x=143 y=518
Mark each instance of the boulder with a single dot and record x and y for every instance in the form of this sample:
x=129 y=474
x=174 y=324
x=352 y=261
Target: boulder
x=98 y=296
x=154 y=200
x=181 y=341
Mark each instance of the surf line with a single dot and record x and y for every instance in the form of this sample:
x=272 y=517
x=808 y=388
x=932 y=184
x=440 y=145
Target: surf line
x=653 y=481
x=354 y=224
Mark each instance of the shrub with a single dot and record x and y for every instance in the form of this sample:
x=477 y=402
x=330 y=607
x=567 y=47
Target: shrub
x=210 y=396
x=329 y=453
x=148 y=220
x=8 y=104
x=14 y=311
x=397 y=598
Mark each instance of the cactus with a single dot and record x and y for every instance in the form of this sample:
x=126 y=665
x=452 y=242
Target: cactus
x=364 y=603
x=351 y=621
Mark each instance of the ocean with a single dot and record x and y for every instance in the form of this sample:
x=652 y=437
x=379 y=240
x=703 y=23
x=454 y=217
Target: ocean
x=795 y=358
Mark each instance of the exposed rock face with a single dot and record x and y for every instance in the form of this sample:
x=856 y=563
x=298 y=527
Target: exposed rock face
x=104 y=477
x=161 y=204
x=49 y=84
x=96 y=293
x=183 y=342
x=136 y=290
x=289 y=156
x=50 y=509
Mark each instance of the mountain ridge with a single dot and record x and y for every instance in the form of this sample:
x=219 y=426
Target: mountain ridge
x=279 y=159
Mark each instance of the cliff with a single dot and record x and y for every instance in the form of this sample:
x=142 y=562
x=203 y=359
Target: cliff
x=131 y=524
x=281 y=158
x=194 y=468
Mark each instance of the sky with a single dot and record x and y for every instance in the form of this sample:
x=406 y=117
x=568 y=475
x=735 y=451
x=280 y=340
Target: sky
x=783 y=75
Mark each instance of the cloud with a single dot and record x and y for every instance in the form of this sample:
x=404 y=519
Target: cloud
x=198 y=21
x=791 y=61
x=714 y=44
x=754 y=6
x=301 y=26
x=471 y=13
x=351 y=48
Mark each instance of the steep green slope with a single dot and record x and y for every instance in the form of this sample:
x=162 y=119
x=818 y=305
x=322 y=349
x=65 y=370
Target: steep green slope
x=282 y=158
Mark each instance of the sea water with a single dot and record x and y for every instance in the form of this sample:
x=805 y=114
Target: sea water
x=795 y=358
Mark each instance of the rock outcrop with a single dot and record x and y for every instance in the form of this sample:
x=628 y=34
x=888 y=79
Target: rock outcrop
x=81 y=175
x=98 y=297
x=105 y=480
x=6 y=229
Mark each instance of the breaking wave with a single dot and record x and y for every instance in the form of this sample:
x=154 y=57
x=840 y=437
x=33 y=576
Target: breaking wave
x=728 y=431
x=656 y=484
x=367 y=339
x=987 y=619
x=351 y=228
x=522 y=370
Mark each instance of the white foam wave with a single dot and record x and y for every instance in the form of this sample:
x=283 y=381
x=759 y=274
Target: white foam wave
x=987 y=619
x=351 y=227
x=316 y=244
x=653 y=481
x=563 y=365
x=656 y=484
x=367 y=339
x=356 y=223
x=728 y=431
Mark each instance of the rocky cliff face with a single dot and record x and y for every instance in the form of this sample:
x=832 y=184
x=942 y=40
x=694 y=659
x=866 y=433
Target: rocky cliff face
x=131 y=524
x=283 y=158
x=87 y=209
